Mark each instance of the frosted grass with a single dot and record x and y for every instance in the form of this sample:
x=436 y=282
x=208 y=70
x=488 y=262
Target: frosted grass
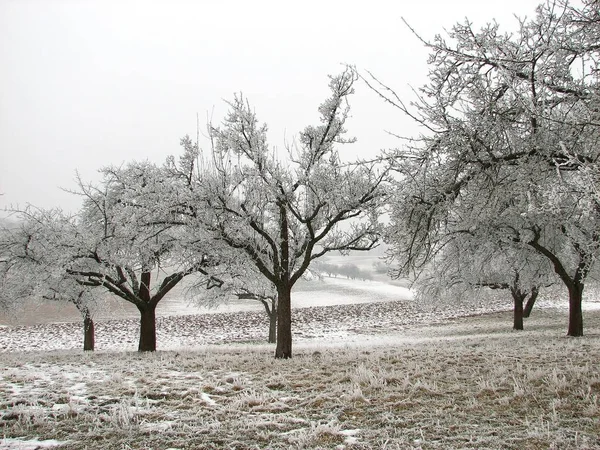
x=463 y=383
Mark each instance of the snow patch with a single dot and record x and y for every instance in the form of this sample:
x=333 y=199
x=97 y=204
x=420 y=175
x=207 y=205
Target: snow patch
x=158 y=426
x=32 y=444
x=207 y=399
x=350 y=436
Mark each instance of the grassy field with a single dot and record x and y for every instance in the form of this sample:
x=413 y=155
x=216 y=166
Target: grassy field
x=468 y=383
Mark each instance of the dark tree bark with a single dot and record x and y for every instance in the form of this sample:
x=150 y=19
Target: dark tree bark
x=284 y=290
x=284 y=322
x=88 y=333
x=147 y=329
x=147 y=310
x=574 y=284
x=88 y=322
x=272 y=327
x=518 y=298
x=530 y=302
x=575 y=313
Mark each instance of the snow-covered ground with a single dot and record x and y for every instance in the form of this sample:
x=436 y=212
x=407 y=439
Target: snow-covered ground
x=373 y=368
x=317 y=292
x=464 y=383
x=329 y=310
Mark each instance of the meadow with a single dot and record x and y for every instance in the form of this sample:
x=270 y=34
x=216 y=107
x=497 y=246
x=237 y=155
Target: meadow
x=456 y=382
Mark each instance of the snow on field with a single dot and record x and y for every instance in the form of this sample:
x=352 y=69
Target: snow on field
x=341 y=291
x=317 y=292
x=333 y=310
x=346 y=321
x=373 y=368
x=32 y=444
x=463 y=383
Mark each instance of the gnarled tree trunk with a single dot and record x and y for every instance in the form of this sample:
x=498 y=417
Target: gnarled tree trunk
x=284 y=322
x=574 y=284
x=147 y=310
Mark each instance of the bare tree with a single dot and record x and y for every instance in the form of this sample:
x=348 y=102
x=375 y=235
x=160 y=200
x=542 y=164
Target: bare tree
x=284 y=214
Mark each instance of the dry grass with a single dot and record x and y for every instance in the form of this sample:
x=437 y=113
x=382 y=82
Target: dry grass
x=487 y=388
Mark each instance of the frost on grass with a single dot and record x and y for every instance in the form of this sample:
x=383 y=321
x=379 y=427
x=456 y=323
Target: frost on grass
x=469 y=383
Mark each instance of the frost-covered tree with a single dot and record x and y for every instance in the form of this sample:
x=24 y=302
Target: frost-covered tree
x=239 y=280
x=511 y=121
x=468 y=265
x=127 y=248
x=285 y=211
x=32 y=250
x=85 y=300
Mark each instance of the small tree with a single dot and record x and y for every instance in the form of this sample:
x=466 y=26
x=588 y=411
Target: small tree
x=83 y=299
x=240 y=280
x=120 y=243
x=31 y=253
x=270 y=305
x=470 y=264
x=285 y=214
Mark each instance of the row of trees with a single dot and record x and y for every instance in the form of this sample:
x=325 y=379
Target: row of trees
x=241 y=221
x=500 y=191
x=348 y=270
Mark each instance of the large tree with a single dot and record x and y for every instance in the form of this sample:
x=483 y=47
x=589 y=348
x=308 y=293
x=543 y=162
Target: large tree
x=511 y=120
x=285 y=211
x=113 y=243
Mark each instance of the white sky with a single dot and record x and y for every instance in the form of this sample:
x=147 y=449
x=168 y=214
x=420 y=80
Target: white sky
x=88 y=83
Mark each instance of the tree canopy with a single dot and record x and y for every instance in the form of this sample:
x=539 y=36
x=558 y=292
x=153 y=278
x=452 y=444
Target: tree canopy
x=512 y=136
x=282 y=214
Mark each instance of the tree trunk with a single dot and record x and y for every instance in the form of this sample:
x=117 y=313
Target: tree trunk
x=284 y=322
x=530 y=302
x=147 y=329
x=270 y=305
x=575 y=313
x=88 y=333
x=273 y=327
x=518 y=311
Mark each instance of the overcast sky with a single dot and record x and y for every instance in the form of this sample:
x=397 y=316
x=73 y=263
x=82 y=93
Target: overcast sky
x=86 y=83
